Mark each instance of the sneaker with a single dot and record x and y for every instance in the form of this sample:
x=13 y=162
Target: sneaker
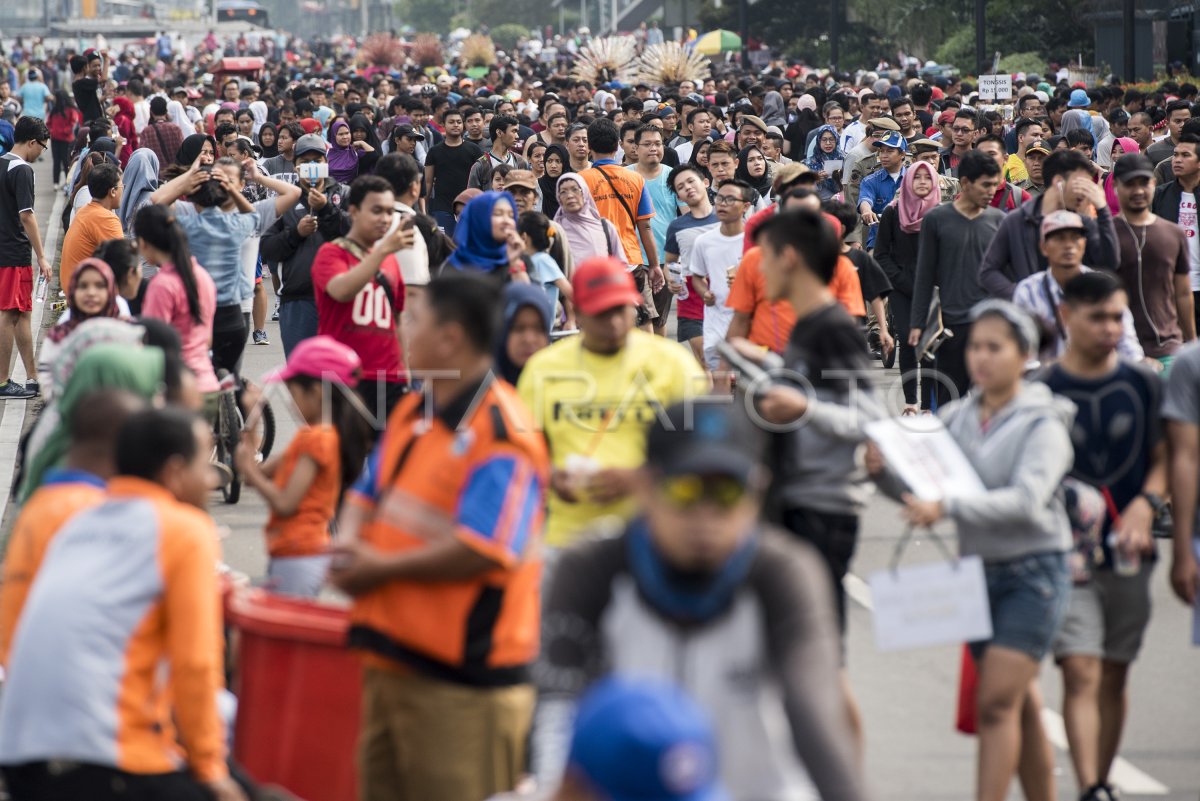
x=275 y=314
x=11 y=390
x=260 y=338
x=33 y=386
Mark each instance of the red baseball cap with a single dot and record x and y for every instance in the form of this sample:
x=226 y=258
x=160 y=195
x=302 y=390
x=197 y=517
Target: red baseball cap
x=320 y=357
x=602 y=283
x=310 y=125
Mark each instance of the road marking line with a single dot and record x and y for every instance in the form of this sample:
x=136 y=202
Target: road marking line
x=14 y=411
x=1123 y=774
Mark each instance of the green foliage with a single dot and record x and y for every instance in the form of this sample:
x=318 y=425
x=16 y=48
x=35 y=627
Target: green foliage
x=507 y=35
x=1023 y=62
x=425 y=15
x=958 y=49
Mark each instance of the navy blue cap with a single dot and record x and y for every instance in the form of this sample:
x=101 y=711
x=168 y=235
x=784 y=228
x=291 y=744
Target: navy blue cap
x=645 y=740
x=704 y=439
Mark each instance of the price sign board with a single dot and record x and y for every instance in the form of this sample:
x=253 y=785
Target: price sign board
x=995 y=87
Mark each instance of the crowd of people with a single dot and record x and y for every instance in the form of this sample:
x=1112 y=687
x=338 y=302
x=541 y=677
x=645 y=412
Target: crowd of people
x=508 y=308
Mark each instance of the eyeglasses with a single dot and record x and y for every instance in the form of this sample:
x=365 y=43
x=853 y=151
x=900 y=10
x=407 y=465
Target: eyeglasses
x=725 y=200
x=569 y=190
x=880 y=134
x=962 y=129
x=682 y=492
x=44 y=145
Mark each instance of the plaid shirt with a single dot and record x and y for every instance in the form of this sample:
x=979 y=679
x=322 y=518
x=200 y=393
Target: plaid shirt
x=164 y=138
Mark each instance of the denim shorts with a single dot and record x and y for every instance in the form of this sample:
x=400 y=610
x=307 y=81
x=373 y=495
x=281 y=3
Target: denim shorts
x=1028 y=598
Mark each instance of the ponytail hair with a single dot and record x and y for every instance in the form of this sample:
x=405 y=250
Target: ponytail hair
x=355 y=437
x=157 y=226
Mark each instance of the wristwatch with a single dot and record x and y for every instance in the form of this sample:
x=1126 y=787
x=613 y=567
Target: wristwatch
x=1156 y=502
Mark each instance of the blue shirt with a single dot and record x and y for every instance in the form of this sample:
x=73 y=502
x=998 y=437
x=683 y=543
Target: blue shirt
x=33 y=99
x=878 y=189
x=666 y=208
x=544 y=270
x=216 y=239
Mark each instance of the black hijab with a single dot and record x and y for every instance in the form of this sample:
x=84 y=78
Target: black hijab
x=762 y=184
x=189 y=151
x=548 y=185
x=273 y=150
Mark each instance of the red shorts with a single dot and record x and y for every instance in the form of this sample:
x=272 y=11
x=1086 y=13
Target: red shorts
x=16 y=289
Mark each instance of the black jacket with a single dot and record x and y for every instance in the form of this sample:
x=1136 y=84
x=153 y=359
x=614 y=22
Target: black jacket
x=294 y=253
x=1166 y=201
x=896 y=252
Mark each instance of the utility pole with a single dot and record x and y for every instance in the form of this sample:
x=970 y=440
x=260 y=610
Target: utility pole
x=835 y=33
x=980 y=37
x=1127 y=32
x=744 y=32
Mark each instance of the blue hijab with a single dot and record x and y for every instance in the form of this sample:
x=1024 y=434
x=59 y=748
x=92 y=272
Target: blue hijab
x=817 y=156
x=477 y=250
x=517 y=297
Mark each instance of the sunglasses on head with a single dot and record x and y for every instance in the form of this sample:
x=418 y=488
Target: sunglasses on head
x=685 y=492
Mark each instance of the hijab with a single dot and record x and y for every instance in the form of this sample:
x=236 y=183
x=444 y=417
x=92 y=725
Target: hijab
x=343 y=161
x=1128 y=145
x=817 y=156
x=762 y=183
x=549 y=185
x=141 y=179
x=909 y=207
x=517 y=297
x=477 y=249
x=130 y=367
x=60 y=332
x=1077 y=119
x=359 y=122
x=585 y=230
x=273 y=149
x=178 y=115
x=774 y=109
x=190 y=149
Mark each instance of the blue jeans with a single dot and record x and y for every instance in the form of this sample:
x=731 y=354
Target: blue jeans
x=297 y=322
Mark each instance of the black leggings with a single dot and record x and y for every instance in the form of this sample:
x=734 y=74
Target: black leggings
x=229 y=339
x=60 y=153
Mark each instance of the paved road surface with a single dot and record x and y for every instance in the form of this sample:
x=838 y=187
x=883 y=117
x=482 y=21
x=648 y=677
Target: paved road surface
x=908 y=698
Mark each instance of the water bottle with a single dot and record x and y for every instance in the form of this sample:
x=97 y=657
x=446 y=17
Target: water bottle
x=676 y=271
x=42 y=285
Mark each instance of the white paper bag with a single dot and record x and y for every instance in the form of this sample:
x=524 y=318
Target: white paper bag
x=938 y=603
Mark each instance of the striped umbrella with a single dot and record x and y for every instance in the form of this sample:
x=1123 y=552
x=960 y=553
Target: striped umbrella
x=719 y=41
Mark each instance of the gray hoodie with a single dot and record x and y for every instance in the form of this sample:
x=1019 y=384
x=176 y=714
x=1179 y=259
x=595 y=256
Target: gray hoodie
x=1021 y=457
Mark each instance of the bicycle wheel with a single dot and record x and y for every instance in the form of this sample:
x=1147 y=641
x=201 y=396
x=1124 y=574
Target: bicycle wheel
x=230 y=425
x=268 y=430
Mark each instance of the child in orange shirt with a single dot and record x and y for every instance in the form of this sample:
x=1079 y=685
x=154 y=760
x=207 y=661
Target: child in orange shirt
x=304 y=485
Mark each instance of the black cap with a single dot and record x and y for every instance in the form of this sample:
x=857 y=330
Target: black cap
x=1133 y=165
x=704 y=439
x=409 y=131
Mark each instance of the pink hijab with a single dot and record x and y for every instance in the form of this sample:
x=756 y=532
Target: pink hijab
x=912 y=209
x=1128 y=145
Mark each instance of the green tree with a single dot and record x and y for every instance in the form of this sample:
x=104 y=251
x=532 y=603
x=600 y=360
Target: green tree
x=432 y=16
x=507 y=35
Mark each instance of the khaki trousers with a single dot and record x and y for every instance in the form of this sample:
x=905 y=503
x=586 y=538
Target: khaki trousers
x=424 y=739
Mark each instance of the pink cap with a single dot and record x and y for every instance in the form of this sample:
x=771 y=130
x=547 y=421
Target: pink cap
x=320 y=357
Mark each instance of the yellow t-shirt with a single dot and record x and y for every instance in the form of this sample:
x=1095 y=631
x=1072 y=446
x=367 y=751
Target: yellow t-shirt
x=596 y=407
x=1014 y=169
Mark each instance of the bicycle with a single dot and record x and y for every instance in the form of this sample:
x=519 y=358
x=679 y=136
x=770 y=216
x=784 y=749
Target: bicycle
x=227 y=433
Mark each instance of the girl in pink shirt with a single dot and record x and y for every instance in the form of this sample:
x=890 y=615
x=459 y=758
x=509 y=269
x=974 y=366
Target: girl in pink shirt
x=182 y=293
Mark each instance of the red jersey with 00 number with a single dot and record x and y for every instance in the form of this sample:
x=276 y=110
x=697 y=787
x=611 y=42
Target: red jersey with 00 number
x=367 y=323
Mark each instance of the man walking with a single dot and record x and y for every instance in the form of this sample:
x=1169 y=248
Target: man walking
x=1178 y=112
x=622 y=199
x=954 y=238
x=1176 y=201
x=688 y=184
x=448 y=169
x=442 y=559
x=161 y=135
x=504 y=132
x=20 y=244
x=648 y=141
x=1155 y=263
x=1120 y=451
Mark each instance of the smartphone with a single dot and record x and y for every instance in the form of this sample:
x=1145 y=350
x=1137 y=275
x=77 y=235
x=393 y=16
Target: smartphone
x=313 y=171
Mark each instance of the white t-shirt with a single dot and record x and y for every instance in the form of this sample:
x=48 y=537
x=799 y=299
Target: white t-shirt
x=712 y=256
x=1188 y=222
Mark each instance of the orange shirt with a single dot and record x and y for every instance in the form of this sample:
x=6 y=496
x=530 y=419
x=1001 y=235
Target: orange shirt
x=626 y=195
x=306 y=531
x=57 y=500
x=129 y=586
x=847 y=289
x=92 y=225
x=771 y=323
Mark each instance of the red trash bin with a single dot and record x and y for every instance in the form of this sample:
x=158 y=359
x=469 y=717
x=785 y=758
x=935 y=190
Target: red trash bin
x=299 y=690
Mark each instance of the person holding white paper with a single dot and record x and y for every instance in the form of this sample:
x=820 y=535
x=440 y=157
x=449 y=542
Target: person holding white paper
x=1015 y=436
